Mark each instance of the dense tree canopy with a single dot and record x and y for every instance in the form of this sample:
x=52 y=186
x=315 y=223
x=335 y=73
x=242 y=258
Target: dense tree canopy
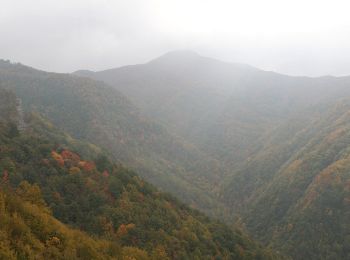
x=43 y=173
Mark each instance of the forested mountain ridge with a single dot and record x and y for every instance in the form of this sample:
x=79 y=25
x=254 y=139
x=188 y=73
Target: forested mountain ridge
x=42 y=171
x=92 y=111
x=223 y=108
x=283 y=141
x=280 y=143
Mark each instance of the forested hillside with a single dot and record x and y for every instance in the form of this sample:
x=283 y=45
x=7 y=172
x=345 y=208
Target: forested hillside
x=42 y=171
x=282 y=140
x=92 y=111
x=289 y=191
x=268 y=150
x=29 y=231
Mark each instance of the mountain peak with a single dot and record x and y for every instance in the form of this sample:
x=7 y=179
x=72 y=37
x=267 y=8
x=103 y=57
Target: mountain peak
x=183 y=53
x=177 y=56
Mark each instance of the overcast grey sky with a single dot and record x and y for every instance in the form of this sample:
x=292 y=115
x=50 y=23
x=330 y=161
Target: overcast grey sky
x=298 y=37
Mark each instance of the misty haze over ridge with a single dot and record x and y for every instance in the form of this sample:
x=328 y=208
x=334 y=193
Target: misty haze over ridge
x=200 y=97
x=182 y=56
x=295 y=38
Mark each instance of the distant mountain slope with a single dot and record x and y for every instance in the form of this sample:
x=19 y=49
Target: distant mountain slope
x=180 y=88
x=127 y=217
x=92 y=111
x=284 y=142
x=224 y=108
